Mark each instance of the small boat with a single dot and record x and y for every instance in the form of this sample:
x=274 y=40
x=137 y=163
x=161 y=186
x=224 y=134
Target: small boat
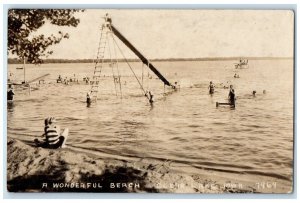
x=19 y=68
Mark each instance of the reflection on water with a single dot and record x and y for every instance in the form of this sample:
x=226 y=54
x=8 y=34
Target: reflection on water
x=183 y=126
x=10 y=106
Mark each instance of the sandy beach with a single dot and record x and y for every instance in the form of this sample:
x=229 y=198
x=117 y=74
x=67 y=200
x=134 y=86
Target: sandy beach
x=32 y=169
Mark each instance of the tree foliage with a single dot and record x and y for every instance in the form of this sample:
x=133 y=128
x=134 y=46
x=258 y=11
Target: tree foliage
x=23 y=22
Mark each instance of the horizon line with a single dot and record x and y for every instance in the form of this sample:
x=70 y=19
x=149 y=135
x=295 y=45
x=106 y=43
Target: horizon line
x=175 y=58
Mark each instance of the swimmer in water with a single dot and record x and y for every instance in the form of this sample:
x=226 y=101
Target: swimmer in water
x=231 y=96
x=211 y=88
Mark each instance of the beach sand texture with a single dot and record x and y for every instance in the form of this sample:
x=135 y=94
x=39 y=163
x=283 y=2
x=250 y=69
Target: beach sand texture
x=28 y=168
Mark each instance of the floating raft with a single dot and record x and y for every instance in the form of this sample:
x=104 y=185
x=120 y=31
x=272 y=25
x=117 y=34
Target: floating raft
x=224 y=104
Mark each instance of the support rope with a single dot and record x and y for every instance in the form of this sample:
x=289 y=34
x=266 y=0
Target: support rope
x=119 y=75
x=142 y=73
x=141 y=86
x=112 y=67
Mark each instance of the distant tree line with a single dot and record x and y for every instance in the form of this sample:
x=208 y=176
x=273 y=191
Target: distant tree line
x=19 y=61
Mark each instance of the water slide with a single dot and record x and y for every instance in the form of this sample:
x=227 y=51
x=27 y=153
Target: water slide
x=139 y=54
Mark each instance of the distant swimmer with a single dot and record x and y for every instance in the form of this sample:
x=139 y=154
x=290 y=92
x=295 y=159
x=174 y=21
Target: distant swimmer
x=10 y=77
x=176 y=86
x=87 y=80
x=66 y=81
x=211 y=88
x=52 y=137
x=10 y=93
x=226 y=86
x=108 y=18
x=150 y=96
x=231 y=96
x=88 y=98
x=116 y=79
x=59 y=79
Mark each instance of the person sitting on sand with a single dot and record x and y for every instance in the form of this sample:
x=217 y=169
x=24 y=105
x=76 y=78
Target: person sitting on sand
x=53 y=138
x=253 y=93
x=211 y=88
x=231 y=96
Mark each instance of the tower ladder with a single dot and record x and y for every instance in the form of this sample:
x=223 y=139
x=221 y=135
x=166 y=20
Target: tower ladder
x=99 y=63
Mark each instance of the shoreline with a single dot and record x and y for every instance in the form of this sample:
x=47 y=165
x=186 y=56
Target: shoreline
x=32 y=169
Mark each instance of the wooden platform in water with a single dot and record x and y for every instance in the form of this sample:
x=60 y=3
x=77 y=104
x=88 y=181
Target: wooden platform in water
x=224 y=104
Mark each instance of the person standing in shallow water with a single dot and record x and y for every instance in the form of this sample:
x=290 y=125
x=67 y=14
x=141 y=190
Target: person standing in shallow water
x=231 y=96
x=10 y=93
x=88 y=98
x=151 y=98
x=211 y=88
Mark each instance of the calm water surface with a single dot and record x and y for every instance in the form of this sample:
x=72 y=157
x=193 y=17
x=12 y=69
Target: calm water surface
x=185 y=126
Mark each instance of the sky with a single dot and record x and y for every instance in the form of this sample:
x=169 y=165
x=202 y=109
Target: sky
x=182 y=33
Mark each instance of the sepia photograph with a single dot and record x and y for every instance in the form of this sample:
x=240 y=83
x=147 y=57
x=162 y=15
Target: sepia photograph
x=150 y=100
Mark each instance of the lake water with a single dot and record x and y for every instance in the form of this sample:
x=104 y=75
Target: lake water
x=184 y=126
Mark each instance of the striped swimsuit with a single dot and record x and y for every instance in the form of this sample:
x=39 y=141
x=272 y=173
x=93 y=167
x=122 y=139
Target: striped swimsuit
x=52 y=134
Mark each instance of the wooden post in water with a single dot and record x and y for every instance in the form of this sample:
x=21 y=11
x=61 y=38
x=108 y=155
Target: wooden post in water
x=24 y=68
